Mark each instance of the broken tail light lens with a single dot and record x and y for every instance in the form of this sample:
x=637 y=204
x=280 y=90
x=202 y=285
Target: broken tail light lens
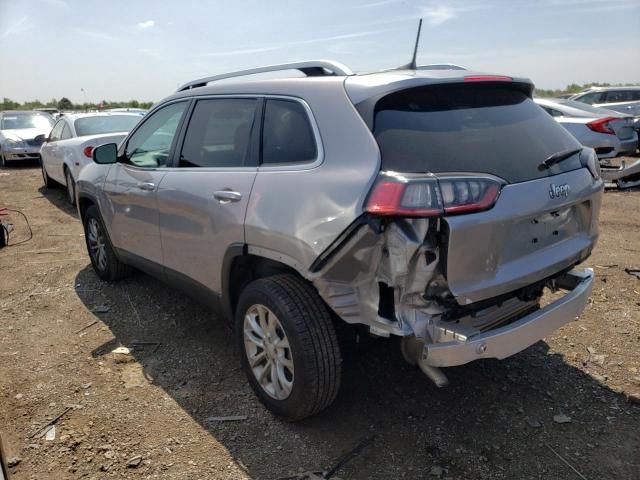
x=602 y=125
x=398 y=195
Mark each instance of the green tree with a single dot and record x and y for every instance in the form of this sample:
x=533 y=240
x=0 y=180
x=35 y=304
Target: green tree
x=65 y=104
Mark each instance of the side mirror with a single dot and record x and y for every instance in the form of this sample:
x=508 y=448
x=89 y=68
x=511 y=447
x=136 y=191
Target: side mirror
x=105 y=154
x=40 y=139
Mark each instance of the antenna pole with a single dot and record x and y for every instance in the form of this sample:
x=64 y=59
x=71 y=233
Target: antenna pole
x=415 y=48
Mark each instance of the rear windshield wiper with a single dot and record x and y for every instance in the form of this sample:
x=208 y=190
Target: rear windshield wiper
x=558 y=157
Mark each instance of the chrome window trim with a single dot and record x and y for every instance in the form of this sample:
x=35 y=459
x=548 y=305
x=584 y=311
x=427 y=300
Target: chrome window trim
x=309 y=165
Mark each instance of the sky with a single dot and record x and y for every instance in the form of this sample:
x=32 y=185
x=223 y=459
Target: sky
x=90 y=50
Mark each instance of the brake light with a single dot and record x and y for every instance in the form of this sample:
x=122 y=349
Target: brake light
x=602 y=125
x=487 y=78
x=87 y=151
x=397 y=195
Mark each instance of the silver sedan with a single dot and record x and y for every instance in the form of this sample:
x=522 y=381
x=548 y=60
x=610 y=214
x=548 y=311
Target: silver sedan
x=22 y=134
x=608 y=132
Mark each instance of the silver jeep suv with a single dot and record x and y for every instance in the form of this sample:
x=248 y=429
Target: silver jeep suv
x=430 y=204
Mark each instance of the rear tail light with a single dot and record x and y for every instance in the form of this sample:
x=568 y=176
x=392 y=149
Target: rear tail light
x=602 y=125
x=398 y=195
x=87 y=151
x=589 y=160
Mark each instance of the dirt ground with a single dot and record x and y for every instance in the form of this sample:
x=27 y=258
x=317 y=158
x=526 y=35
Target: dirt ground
x=147 y=414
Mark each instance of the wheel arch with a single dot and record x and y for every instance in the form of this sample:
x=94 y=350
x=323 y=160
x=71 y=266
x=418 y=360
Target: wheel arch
x=240 y=266
x=84 y=202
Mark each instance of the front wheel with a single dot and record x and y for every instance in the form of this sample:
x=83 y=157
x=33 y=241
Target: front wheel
x=3 y=161
x=103 y=258
x=289 y=346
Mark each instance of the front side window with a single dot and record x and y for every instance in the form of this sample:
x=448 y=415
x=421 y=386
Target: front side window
x=149 y=146
x=287 y=136
x=591 y=98
x=219 y=133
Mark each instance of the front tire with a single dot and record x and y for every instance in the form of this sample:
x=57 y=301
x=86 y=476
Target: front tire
x=103 y=258
x=3 y=161
x=288 y=345
x=71 y=187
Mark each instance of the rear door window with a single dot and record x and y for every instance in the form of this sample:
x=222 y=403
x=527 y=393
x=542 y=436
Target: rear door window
x=219 y=133
x=476 y=128
x=287 y=136
x=66 y=132
x=614 y=96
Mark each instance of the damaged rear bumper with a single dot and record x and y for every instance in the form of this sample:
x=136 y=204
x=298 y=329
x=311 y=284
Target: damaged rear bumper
x=508 y=340
x=625 y=176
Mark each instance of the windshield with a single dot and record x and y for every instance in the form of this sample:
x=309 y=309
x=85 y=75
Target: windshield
x=17 y=121
x=105 y=124
x=469 y=128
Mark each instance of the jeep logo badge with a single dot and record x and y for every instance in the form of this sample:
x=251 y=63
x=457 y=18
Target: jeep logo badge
x=559 y=191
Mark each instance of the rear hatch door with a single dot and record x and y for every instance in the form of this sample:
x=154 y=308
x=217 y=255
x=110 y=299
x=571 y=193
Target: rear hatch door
x=545 y=218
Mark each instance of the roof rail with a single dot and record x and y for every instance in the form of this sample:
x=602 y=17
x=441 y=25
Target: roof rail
x=311 y=68
x=441 y=66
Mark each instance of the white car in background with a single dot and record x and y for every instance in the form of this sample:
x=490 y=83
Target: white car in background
x=622 y=99
x=69 y=145
x=608 y=132
x=21 y=134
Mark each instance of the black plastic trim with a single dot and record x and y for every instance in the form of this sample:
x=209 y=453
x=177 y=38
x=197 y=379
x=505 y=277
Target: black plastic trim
x=338 y=243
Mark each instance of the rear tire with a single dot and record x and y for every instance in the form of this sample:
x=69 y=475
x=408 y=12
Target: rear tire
x=306 y=372
x=48 y=183
x=71 y=187
x=103 y=257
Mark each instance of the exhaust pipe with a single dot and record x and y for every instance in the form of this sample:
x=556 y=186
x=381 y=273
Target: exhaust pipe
x=411 y=349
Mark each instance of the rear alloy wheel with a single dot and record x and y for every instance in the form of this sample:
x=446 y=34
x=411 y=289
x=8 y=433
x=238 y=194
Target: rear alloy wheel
x=71 y=187
x=103 y=258
x=268 y=351
x=289 y=346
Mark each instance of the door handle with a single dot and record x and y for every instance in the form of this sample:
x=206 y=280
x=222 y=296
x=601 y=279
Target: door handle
x=226 y=196
x=147 y=186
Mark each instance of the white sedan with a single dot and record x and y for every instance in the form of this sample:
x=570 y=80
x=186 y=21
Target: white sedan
x=72 y=139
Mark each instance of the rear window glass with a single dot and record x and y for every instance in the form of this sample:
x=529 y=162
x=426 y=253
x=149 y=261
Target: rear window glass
x=105 y=124
x=469 y=128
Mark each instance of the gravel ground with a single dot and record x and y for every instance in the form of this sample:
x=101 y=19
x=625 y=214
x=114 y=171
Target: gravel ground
x=569 y=402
